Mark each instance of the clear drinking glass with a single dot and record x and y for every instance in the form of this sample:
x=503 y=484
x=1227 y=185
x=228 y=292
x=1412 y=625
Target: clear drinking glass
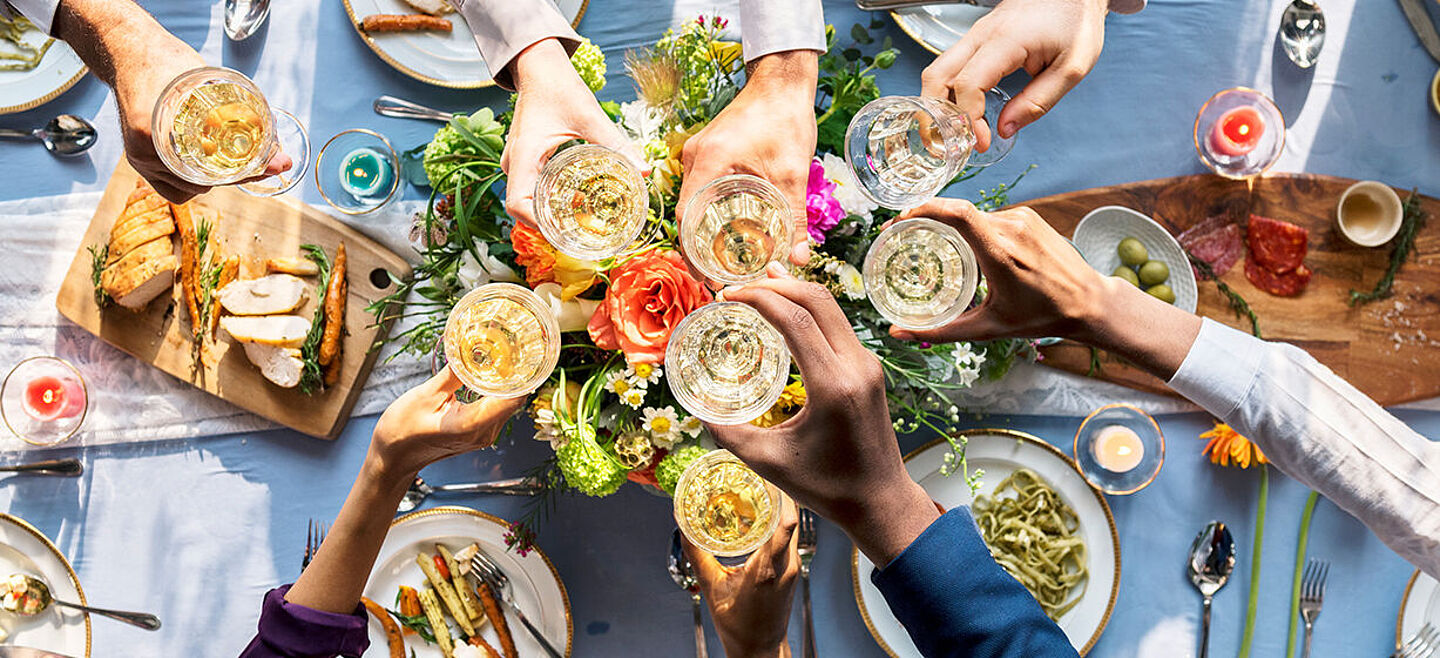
x=905 y=149
x=357 y=171
x=734 y=226
x=44 y=400
x=1119 y=449
x=724 y=508
x=590 y=202
x=212 y=126
x=501 y=340
x=726 y=364
x=920 y=274
x=1239 y=133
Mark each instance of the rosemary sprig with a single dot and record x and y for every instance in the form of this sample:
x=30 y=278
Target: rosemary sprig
x=98 y=255
x=1410 y=224
x=1237 y=303
x=312 y=377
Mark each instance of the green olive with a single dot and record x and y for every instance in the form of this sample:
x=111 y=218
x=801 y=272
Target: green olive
x=1131 y=252
x=1128 y=274
x=1154 y=272
x=1162 y=292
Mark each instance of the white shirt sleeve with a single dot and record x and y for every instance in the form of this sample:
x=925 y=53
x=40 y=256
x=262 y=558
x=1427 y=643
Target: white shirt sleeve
x=503 y=28
x=1117 y=6
x=1320 y=430
x=773 y=26
x=40 y=12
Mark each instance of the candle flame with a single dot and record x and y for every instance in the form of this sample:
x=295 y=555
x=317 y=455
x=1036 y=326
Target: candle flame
x=1123 y=450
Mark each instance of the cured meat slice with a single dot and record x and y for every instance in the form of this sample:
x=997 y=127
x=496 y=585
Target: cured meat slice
x=1281 y=284
x=1278 y=246
x=1205 y=227
x=1221 y=246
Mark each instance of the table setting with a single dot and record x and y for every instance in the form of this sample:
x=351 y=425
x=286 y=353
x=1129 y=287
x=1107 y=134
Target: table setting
x=182 y=422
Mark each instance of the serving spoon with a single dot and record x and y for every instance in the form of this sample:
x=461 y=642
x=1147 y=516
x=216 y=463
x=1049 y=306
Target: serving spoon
x=38 y=589
x=65 y=135
x=1212 y=558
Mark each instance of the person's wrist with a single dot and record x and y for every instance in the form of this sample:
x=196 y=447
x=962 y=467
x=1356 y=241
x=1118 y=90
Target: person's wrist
x=789 y=73
x=743 y=644
x=387 y=470
x=890 y=519
x=542 y=62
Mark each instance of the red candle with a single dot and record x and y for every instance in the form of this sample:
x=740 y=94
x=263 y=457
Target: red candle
x=50 y=398
x=1237 y=132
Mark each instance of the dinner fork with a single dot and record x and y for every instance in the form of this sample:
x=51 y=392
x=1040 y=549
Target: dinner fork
x=495 y=578
x=806 y=548
x=313 y=538
x=1312 y=596
x=1421 y=645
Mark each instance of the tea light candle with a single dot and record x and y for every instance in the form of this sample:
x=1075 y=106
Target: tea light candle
x=364 y=172
x=50 y=398
x=1237 y=132
x=1118 y=448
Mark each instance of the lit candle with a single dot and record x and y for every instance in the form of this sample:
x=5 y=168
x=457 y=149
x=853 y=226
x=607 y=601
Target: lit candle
x=50 y=398
x=364 y=173
x=1237 y=132
x=1118 y=449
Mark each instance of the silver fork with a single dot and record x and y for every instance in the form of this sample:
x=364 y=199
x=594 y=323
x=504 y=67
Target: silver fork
x=1420 y=645
x=806 y=548
x=314 y=536
x=1312 y=596
x=496 y=579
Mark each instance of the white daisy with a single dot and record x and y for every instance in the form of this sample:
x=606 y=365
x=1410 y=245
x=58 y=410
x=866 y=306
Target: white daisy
x=847 y=189
x=633 y=398
x=646 y=372
x=851 y=283
x=691 y=426
x=663 y=426
x=619 y=382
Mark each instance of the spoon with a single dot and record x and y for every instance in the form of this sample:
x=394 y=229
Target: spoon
x=419 y=491
x=1212 y=558
x=681 y=572
x=65 y=135
x=68 y=466
x=243 y=18
x=1302 y=32
x=36 y=588
x=391 y=106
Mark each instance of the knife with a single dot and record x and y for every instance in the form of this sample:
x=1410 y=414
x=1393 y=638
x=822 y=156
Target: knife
x=888 y=5
x=1419 y=18
x=7 y=651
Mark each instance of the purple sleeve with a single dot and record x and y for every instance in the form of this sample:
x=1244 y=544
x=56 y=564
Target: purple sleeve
x=292 y=630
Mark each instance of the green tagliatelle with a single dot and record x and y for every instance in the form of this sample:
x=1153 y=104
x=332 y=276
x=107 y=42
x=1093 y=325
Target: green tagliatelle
x=1033 y=535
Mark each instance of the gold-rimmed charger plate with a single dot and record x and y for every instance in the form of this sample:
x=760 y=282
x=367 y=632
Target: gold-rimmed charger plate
x=537 y=587
x=999 y=452
x=1419 y=605
x=937 y=27
x=58 y=71
x=442 y=59
x=24 y=549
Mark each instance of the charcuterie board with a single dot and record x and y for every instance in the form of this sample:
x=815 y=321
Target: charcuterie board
x=253 y=229
x=1390 y=349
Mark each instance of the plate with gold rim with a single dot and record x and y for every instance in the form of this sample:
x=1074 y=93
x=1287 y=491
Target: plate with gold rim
x=937 y=27
x=999 y=452
x=443 y=59
x=24 y=549
x=536 y=584
x=1419 y=605
x=57 y=71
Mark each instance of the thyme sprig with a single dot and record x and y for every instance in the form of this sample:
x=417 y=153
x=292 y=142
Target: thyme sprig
x=1237 y=303
x=312 y=376
x=1410 y=224
x=98 y=255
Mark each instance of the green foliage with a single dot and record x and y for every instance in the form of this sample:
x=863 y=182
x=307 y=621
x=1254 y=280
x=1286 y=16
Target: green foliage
x=847 y=83
x=709 y=67
x=588 y=468
x=467 y=147
x=668 y=471
x=312 y=377
x=1410 y=224
x=98 y=255
x=589 y=62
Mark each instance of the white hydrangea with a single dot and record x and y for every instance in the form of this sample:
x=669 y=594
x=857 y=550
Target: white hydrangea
x=847 y=189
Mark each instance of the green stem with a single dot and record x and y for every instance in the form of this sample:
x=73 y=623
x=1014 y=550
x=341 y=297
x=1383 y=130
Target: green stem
x=1255 y=563
x=1299 y=564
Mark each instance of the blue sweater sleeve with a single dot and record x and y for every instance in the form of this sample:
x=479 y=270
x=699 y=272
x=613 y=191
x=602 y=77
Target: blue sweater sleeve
x=955 y=600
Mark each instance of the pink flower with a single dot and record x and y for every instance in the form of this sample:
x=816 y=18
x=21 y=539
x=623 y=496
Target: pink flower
x=821 y=208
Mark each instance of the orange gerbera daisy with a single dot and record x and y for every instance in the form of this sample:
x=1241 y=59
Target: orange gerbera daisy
x=1226 y=446
x=533 y=253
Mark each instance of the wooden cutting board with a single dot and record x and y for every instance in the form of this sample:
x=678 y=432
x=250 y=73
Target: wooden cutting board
x=253 y=228
x=1390 y=349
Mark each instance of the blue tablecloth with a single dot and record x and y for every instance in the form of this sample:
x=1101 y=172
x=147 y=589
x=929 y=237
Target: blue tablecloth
x=198 y=530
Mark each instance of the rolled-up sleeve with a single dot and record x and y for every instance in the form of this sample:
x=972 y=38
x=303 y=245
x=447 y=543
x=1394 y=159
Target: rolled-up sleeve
x=295 y=631
x=503 y=28
x=40 y=12
x=770 y=26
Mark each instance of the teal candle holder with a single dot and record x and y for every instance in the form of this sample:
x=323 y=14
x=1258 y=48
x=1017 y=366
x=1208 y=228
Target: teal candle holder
x=357 y=171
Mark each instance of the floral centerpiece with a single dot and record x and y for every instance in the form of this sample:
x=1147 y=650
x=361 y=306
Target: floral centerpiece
x=607 y=410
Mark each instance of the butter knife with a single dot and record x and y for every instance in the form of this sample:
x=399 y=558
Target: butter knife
x=887 y=5
x=7 y=651
x=1419 y=18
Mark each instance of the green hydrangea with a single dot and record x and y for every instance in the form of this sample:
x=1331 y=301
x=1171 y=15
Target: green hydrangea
x=450 y=147
x=588 y=469
x=589 y=62
x=668 y=471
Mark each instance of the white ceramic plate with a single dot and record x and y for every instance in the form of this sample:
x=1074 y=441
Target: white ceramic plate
x=1421 y=605
x=23 y=549
x=999 y=453
x=59 y=70
x=536 y=584
x=938 y=27
x=447 y=60
x=1100 y=231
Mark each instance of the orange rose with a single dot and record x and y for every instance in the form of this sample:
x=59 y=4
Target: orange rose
x=648 y=296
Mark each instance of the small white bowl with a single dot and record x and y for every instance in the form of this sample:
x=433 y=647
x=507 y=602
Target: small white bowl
x=1387 y=224
x=1435 y=92
x=1100 y=231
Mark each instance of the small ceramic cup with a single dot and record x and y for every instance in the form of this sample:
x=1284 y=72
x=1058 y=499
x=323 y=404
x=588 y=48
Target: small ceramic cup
x=1369 y=213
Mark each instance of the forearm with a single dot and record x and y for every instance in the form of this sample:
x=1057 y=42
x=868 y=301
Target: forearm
x=791 y=74
x=887 y=521
x=735 y=648
x=1143 y=330
x=106 y=34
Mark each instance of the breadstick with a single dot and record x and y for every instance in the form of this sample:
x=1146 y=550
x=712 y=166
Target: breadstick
x=404 y=23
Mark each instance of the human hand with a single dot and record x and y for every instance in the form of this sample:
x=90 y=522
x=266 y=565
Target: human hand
x=750 y=604
x=1056 y=41
x=427 y=424
x=554 y=106
x=768 y=131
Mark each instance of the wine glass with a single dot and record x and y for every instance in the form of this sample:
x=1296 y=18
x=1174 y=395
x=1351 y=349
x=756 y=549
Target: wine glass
x=44 y=400
x=361 y=173
x=727 y=364
x=724 y=507
x=920 y=274
x=501 y=340
x=590 y=202
x=734 y=226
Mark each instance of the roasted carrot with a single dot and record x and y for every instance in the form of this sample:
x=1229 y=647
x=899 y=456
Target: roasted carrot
x=189 y=264
x=228 y=273
x=392 y=629
x=409 y=601
x=334 y=309
x=497 y=617
x=477 y=641
x=403 y=23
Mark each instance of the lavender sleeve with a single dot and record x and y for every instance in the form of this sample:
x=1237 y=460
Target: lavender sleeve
x=295 y=631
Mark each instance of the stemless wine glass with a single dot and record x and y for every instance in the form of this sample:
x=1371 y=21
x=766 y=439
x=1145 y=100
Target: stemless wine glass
x=920 y=274
x=44 y=400
x=590 y=202
x=357 y=171
x=1239 y=133
x=1119 y=449
x=501 y=340
x=724 y=508
x=726 y=364
x=905 y=149
x=734 y=226
x=212 y=126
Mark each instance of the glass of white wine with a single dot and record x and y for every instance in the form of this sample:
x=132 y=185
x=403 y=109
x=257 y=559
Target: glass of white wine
x=212 y=126
x=590 y=202
x=724 y=508
x=727 y=364
x=905 y=149
x=734 y=226
x=920 y=274
x=501 y=340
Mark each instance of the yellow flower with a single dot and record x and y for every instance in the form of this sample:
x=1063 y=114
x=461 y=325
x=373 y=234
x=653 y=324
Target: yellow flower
x=574 y=275
x=544 y=398
x=643 y=370
x=790 y=402
x=1226 y=446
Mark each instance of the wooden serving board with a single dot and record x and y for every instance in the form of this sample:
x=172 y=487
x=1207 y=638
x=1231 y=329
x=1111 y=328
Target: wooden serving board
x=253 y=228
x=1390 y=348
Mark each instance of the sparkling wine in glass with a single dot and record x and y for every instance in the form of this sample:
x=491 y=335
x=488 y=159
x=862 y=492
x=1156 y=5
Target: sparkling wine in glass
x=590 y=202
x=727 y=365
x=905 y=149
x=920 y=274
x=734 y=226
x=501 y=340
x=723 y=507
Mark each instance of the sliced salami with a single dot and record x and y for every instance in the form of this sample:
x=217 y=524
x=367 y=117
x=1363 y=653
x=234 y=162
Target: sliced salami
x=1275 y=245
x=1281 y=284
x=1221 y=247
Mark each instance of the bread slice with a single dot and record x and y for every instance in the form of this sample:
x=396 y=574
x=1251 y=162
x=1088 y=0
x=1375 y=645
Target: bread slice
x=279 y=330
x=281 y=365
x=268 y=295
x=432 y=7
x=142 y=274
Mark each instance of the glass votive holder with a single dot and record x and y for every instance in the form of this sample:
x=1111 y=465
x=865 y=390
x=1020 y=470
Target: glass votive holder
x=724 y=507
x=357 y=171
x=1119 y=449
x=44 y=400
x=733 y=227
x=1239 y=133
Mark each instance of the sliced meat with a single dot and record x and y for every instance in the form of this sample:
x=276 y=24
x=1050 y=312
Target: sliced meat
x=267 y=295
x=279 y=330
x=1275 y=245
x=1221 y=247
x=142 y=274
x=1280 y=284
x=1205 y=227
x=281 y=365
x=156 y=224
